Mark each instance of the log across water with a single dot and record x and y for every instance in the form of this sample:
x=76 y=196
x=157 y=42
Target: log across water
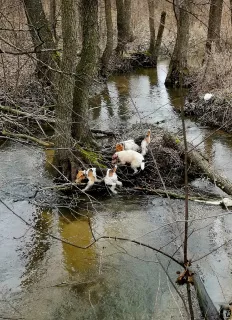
x=197 y=159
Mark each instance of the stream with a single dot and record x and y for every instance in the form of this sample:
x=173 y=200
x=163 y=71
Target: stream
x=41 y=278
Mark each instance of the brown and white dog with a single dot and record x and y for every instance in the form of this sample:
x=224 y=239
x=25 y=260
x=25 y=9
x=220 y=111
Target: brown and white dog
x=145 y=143
x=132 y=157
x=127 y=145
x=109 y=177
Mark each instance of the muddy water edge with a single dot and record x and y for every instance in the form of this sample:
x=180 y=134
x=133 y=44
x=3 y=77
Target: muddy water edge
x=41 y=278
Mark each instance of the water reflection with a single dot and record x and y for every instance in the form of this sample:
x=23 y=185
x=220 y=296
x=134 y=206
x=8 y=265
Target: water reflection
x=76 y=229
x=34 y=252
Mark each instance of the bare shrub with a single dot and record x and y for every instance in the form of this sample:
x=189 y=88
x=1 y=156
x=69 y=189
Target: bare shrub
x=215 y=75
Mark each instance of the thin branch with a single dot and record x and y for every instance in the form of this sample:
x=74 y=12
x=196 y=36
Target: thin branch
x=94 y=241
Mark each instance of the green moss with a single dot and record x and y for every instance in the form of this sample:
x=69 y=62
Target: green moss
x=92 y=157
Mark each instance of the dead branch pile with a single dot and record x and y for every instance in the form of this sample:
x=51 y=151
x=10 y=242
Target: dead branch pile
x=216 y=112
x=31 y=103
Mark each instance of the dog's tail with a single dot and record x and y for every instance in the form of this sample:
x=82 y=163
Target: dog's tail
x=142 y=165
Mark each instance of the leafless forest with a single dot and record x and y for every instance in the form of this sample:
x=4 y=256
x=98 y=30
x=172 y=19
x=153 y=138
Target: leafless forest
x=72 y=79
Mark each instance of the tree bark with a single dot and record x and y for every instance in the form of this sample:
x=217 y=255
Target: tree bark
x=42 y=39
x=159 y=38
x=52 y=18
x=214 y=24
x=109 y=42
x=231 y=13
x=123 y=25
x=86 y=70
x=151 y=7
x=63 y=140
x=178 y=67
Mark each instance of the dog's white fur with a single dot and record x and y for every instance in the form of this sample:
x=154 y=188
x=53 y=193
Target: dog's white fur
x=110 y=179
x=130 y=145
x=145 y=143
x=135 y=159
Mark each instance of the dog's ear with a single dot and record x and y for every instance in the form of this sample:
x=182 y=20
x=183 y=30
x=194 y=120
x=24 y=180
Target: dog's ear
x=148 y=136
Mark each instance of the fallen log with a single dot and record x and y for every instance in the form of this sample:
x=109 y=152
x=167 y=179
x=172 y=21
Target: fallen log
x=197 y=159
x=26 y=114
x=208 y=309
x=27 y=137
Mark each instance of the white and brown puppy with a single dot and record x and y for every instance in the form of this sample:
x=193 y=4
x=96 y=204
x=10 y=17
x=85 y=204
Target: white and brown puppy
x=145 y=143
x=89 y=174
x=109 y=176
x=111 y=179
x=135 y=159
x=127 y=145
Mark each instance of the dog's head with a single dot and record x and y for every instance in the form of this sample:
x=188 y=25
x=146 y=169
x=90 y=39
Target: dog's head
x=114 y=158
x=81 y=175
x=119 y=147
x=91 y=174
x=112 y=171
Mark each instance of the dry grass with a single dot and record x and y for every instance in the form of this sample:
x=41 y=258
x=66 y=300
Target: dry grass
x=215 y=75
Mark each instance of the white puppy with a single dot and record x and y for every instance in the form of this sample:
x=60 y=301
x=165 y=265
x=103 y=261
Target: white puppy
x=111 y=179
x=145 y=143
x=127 y=145
x=135 y=159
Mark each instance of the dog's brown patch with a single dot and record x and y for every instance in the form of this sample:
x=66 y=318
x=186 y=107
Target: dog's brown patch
x=148 y=136
x=119 y=147
x=80 y=176
x=112 y=171
x=90 y=175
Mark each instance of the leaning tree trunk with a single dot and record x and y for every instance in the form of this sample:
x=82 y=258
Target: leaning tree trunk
x=124 y=25
x=42 y=40
x=214 y=24
x=109 y=42
x=151 y=7
x=178 y=67
x=159 y=38
x=86 y=70
x=195 y=158
x=63 y=142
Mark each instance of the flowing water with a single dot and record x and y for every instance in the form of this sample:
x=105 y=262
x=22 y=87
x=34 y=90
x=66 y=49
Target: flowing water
x=42 y=278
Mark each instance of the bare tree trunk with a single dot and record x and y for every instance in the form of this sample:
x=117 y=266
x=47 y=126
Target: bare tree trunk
x=123 y=25
x=231 y=12
x=42 y=39
x=86 y=70
x=214 y=24
x=109 y=42
x=178 y=67
x=52 y=18
x=159 y=38
x=127 y=20
x=64 y=141
x=151 y=7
